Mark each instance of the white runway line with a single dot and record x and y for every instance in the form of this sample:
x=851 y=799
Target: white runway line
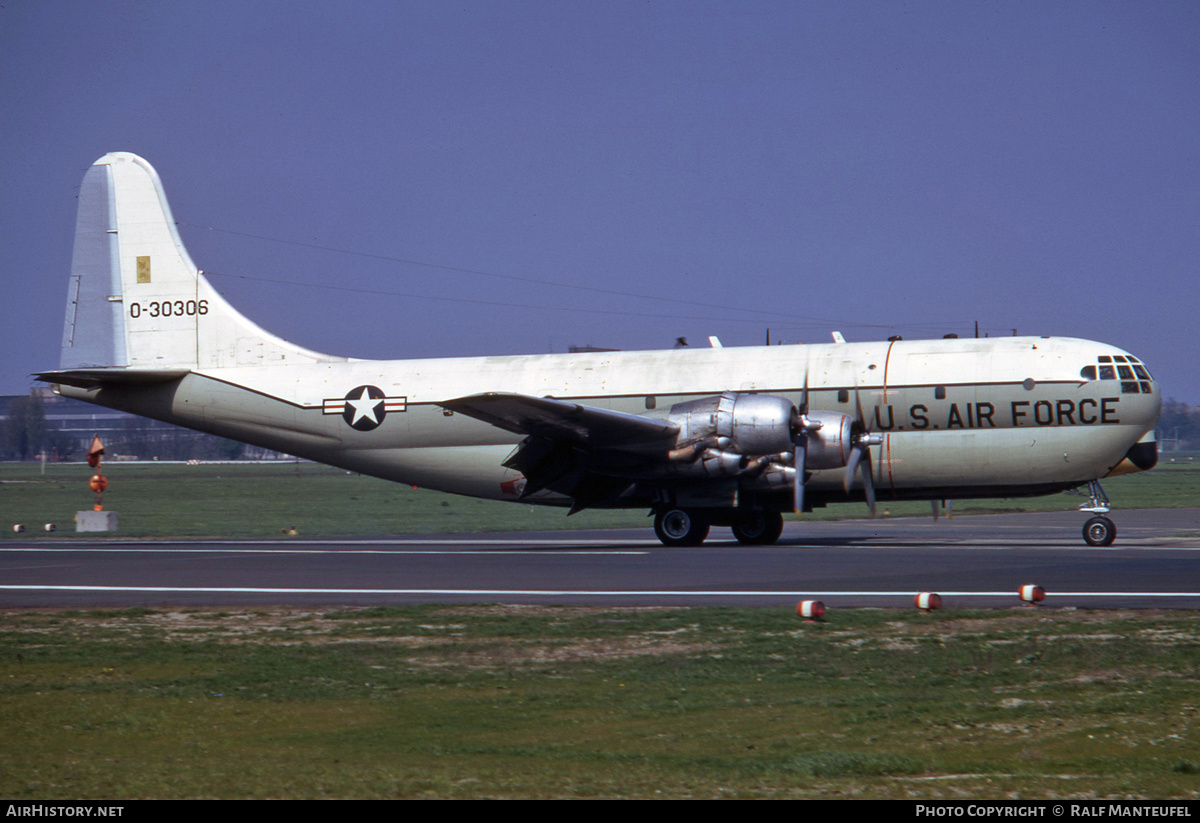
x=575 y=592
x=218 y=550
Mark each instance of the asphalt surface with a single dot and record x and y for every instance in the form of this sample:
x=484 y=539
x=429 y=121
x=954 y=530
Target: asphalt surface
x=972 y=562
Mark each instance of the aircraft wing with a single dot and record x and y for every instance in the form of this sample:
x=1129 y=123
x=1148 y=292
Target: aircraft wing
x=560 y=420
x=570 y=448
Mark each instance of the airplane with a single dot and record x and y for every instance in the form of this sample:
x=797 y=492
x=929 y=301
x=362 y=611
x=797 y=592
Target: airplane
x=701 y=437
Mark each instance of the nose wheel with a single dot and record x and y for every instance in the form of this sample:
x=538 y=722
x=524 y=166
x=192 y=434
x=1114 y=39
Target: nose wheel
x=1098 y=530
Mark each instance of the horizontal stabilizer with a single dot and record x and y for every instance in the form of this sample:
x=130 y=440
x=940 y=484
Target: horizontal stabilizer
x=91 y=378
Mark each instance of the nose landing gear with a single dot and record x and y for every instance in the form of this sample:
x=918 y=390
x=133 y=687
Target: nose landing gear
x=1098 y=530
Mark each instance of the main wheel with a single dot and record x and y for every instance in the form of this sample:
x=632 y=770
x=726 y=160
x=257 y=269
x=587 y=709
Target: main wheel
x=759 y=528
x=1099 y=531
x=680 y=527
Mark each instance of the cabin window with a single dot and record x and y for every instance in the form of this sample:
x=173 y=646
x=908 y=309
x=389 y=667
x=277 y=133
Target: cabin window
x=1108 y=373
x=843 y=395
x=1088 y=372
x=939 y=393
x=1129 y=388
x=651 y=401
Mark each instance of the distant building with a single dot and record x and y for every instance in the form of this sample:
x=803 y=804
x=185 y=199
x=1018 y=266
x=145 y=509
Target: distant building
x=68 y=426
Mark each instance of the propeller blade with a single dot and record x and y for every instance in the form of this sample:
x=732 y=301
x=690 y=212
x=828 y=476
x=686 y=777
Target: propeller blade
x=798 y=483
x=868 y=482
x=855 y=462
x=800 y=439
x=856 y=454
x=863 y=441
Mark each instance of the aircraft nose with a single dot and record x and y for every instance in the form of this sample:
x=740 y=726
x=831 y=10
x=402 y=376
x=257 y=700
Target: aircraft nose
x=1143 y=454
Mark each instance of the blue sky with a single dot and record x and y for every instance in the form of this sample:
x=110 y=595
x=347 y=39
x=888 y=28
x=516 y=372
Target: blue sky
x=413 y=179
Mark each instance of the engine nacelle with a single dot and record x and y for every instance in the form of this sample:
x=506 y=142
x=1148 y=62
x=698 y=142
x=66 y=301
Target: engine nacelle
x=829 y=447
x=747 y=424
x=759 y=429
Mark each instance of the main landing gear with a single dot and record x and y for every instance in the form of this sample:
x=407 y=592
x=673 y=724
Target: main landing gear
x=758 y=528
x=680 y=527
x=689 y=527
x=1098 y=530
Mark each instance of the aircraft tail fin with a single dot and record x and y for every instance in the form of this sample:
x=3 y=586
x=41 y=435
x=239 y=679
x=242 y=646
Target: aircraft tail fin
x=136 y=302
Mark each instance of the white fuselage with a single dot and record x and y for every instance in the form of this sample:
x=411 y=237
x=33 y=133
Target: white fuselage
x=959 y=417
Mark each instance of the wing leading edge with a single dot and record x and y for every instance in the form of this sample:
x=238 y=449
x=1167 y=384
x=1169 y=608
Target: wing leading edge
x=585 y=426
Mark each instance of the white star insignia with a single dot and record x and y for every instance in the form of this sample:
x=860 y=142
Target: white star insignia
x=365 y=406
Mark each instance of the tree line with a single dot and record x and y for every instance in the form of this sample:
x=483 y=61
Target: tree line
x=1179 y=426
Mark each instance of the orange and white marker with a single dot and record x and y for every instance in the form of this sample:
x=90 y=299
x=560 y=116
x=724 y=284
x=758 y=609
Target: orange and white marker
x=811 y=609
x=1032 y=594
x=18 y=528
x=49 y=527
x=927 y=601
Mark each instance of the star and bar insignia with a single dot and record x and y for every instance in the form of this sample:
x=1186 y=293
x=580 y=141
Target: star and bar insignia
x=363 y=408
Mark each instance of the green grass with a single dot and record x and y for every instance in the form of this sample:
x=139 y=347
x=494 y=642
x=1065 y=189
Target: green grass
x=256 y=500
x=505 y=702
x=477 y=702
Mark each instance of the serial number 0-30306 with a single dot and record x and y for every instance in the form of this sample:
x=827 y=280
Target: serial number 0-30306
x=169 y=308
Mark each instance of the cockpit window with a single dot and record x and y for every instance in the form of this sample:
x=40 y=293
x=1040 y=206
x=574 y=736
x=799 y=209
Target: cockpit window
x=1135 y=378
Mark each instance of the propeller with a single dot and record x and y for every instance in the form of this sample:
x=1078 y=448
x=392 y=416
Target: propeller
x=801 y=426
x=860 y=455
x=798 y=464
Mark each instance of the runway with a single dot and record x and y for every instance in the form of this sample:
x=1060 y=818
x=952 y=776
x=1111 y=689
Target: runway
x=972 y=562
